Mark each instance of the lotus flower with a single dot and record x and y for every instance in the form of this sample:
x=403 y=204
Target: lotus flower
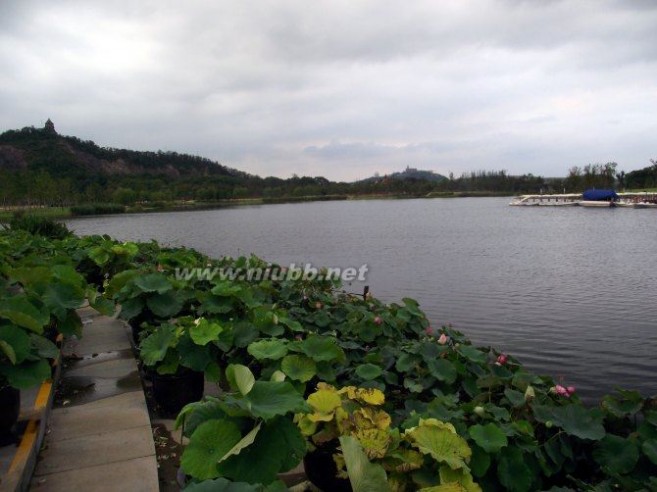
x=378 y=320
x=443 y=339
x=501 y=359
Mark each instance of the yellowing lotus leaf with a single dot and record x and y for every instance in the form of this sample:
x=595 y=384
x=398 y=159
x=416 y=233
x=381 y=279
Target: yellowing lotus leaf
x=320 y=417
x=306 y=426
x=321 y=386
x=439 y=424
x=371 y=396
x=460 y=476
x=343 y=421
x=374 y=441
x=442 y=444
x=404 y=460
x=325 y=400
x=350 y=391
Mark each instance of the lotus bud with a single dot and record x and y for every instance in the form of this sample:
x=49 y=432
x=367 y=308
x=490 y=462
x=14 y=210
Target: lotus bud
x=442 y=339
x=479 y=410
x=570 y=389
x=548 y=424
x=501 y=360
x=378 y=320
x=529 y=393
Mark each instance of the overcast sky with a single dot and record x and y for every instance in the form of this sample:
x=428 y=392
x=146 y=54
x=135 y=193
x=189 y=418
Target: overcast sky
x=342 y=88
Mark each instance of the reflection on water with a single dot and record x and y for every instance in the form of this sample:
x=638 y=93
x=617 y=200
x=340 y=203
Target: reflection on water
x=569 y=291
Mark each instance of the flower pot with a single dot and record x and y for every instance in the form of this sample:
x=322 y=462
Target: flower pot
x=10 y=405
x=173 y=391
x=321 y=470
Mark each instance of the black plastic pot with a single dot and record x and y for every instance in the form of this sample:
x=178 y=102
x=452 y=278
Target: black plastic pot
x=321 y=470
x=171 y=392
x=10 y=405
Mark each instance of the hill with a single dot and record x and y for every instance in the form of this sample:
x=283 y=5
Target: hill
x=408 y=174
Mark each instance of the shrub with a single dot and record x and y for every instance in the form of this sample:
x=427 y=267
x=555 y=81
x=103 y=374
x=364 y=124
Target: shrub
x=39 y=226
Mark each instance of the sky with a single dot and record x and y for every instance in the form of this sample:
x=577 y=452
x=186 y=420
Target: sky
x=342 y=88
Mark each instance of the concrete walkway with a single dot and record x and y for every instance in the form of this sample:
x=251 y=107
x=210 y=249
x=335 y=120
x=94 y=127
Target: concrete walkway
x=100 y=435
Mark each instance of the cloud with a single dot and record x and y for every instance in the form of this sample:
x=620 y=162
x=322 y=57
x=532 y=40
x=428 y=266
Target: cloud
x=339 y=88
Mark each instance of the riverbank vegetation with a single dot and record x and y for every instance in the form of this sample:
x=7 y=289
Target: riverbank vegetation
x=42 y=169
x=306 y=368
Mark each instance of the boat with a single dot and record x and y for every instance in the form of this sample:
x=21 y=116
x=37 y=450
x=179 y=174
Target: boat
x=560 y=200
x=590 y=198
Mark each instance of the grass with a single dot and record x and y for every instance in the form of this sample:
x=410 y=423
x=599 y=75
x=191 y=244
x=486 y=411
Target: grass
x=47 y=212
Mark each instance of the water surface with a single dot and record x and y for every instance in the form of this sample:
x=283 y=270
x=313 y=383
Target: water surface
x=570 y=291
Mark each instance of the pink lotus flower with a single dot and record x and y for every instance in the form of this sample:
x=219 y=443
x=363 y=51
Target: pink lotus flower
x=501 y=359
x=563 y=391
x=442 y=339
x=378 y=320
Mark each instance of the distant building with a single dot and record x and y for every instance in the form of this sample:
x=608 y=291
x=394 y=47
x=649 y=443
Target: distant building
x=50 y=127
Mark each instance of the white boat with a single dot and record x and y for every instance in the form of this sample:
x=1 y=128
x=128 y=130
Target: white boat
x=562 y=200
x=596 y=204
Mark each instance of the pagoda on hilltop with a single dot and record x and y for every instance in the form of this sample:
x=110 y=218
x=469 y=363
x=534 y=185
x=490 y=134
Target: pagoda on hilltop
x=49 y=127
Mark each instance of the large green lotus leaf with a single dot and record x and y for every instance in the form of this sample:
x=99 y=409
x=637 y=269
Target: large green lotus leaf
x=196 y=357
x=649 y=448
x=363 y=475
x=154 y=347
x=574 y=419
x=99 y=255
x=473 y=354
x=244 y=333
x=62 y=297
x=488 y=437
x=194 y=414
x=100 y=304
x=268 y=349
x=222 y=485
x=17 y=343
x=153 y=282
x=71 y=324
x=26 y=375
x=131 y=308
x=213 y=304
x=479 y=462
x=442 y=444
x=407 y=362
x=245 y=442
x=67 y=274
x=368 y=371
x=442 y=370
x=119 y=281
x=210 y=441
x=165 y=305
x=23 y=313
x=626 y=404
x=616 y=455
x=204 y=331
x=513 y=472
x=321 y=348
x=240 y=378
x=43 y=347
x=299 y=367
x=516 y=398
x=277 y=448
x=271 y=398
x=226 y=289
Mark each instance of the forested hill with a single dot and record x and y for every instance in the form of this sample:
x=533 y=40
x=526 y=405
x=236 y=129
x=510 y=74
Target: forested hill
x=64 y=156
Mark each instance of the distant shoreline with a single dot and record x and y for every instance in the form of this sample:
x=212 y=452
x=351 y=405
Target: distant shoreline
x=182 y=206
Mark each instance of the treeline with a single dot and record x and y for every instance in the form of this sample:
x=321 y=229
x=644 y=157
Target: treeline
x=38 y=167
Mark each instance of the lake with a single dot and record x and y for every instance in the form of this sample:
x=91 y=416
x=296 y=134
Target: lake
x=569 y=291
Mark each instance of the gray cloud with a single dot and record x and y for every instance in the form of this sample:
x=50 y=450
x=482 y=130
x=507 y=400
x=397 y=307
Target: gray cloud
x=342 y=89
